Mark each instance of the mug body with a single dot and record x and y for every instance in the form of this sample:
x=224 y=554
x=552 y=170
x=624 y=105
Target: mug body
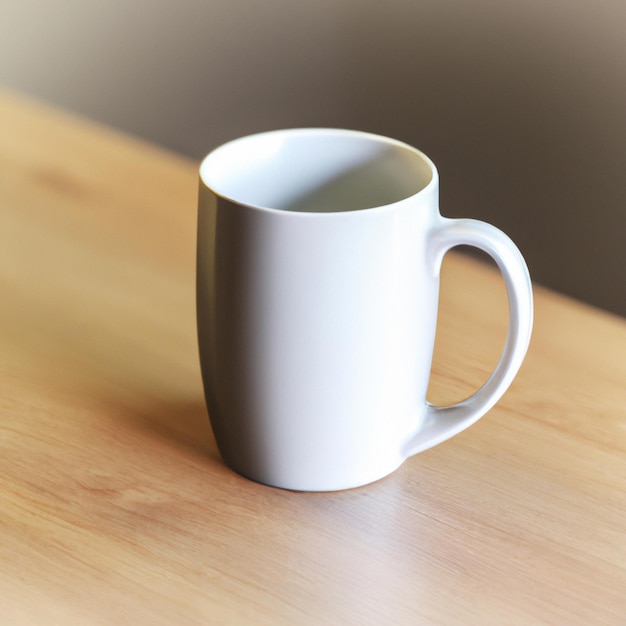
x=317 y=303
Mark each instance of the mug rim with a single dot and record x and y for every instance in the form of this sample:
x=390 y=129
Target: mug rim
x=320 y=131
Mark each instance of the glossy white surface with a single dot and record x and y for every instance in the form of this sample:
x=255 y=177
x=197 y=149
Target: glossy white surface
x=318 y=274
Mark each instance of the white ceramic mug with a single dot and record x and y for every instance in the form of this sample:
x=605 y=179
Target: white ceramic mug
x=318 y=264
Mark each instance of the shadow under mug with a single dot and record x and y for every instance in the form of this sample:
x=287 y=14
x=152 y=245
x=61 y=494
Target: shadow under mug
x=318 y=261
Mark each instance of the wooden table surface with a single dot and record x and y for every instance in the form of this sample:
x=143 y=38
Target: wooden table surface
x=115 y=507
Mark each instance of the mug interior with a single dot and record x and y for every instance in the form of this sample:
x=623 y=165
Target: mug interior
x=316 y=170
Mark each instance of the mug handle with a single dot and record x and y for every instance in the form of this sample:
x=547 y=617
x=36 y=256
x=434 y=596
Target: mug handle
x=443 y=422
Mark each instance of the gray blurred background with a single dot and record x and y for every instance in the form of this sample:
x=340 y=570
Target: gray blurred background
x=522 y=104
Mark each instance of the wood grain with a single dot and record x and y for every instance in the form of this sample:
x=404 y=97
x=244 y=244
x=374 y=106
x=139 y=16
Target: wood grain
x=115 y=507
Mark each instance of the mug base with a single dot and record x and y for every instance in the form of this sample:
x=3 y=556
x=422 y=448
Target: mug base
x=318 y=484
